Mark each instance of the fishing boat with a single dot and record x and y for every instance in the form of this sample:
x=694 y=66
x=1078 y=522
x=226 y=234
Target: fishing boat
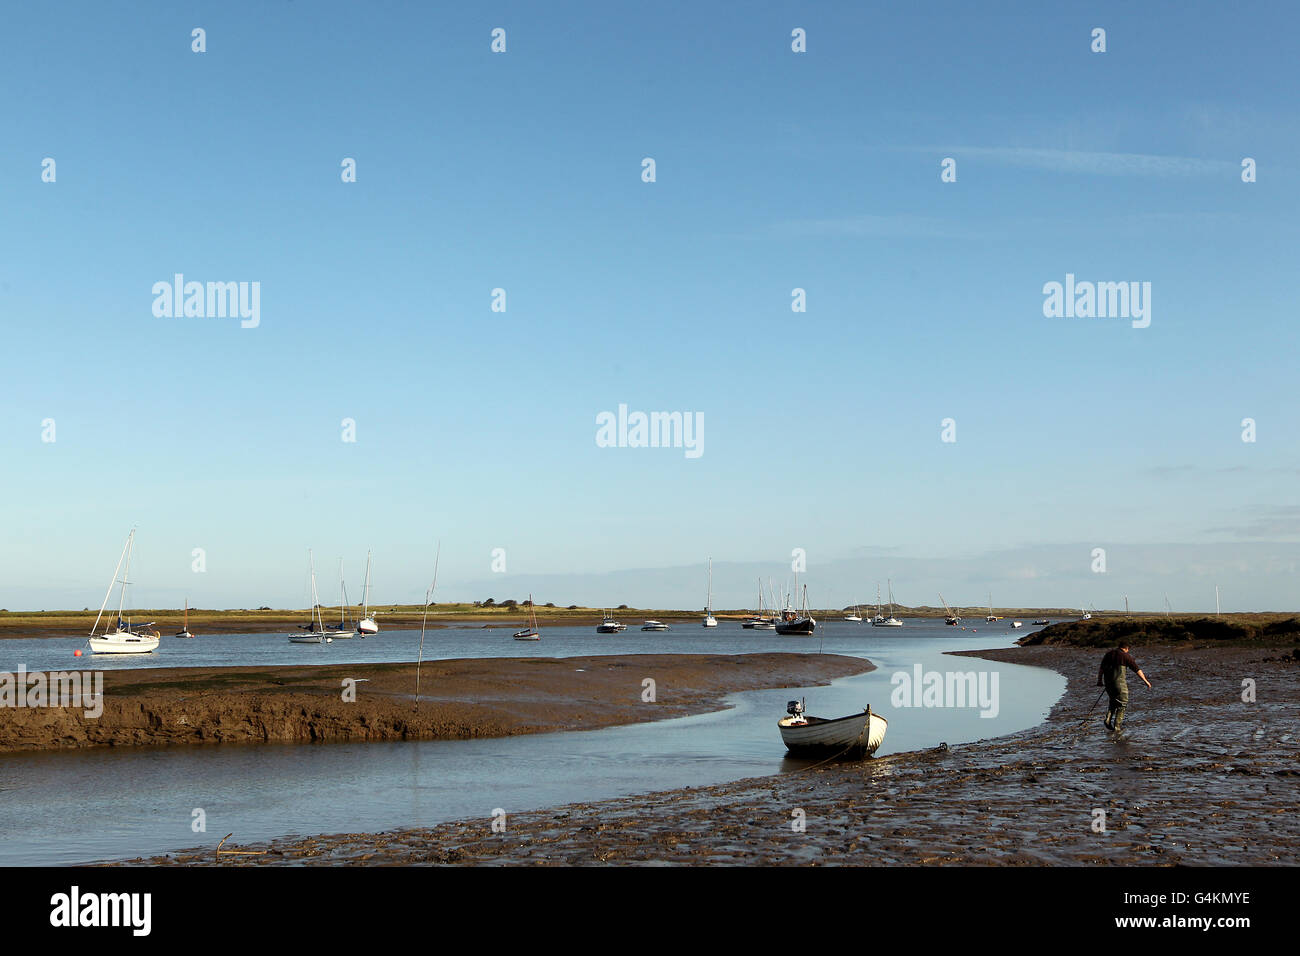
x=709 y=620
x=794 y=624
x=529 y=633
x=344 y=627
x=185 y=628
x=890 y=621
x=610 y=626
x=1086 y=616
x=952 y=619
x=855 y=735
x=367 y=623
x=758 y=622
x=314 y=630
x=655 y=626
x=122 y=638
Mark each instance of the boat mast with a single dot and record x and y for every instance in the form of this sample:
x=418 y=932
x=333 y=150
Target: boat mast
x=427 y=595
x=126 y=575
x=365 y=591
x=315 y=601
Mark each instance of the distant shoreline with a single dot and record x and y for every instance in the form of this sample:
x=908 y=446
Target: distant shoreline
x=29 y=624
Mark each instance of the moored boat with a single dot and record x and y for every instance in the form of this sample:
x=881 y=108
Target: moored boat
x=655 y=626
x=858 y=734
x=123 y=638
x=185 y=628
x=610 y=626
x=794 y=624
x=529 y=633
x=314 y=631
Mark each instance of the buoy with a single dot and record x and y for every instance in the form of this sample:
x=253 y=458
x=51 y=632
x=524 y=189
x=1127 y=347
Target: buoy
x=77 y=652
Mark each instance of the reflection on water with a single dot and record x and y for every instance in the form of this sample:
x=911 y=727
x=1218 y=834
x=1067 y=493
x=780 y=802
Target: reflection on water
x=70 y=807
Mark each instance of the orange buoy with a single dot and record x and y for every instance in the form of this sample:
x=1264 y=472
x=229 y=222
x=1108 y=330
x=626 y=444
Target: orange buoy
x=77 y=652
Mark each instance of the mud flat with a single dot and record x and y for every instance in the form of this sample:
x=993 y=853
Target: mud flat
x=1200 y=777
x=459 y=699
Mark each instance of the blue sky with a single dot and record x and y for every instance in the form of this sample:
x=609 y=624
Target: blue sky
x=775 y=170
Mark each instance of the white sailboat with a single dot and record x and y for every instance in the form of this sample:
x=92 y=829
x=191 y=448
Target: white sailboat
x=709 y=620
x=855 y=616
x=344 y=627
x=758 y=622
x=890 y=621
x=122 y=638
x=367 y=623
x=314 y=630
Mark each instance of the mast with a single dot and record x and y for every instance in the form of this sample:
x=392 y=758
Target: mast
x=708 y=608
x=1216 y=600
x=126 y=575
x=424 y=620
x=365 y=591
x=315 y=601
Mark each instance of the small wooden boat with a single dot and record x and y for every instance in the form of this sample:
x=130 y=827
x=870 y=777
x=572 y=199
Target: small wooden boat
x=855 y=735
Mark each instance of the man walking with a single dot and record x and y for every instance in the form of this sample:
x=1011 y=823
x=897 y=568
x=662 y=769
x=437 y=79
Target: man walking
x=1111 y=676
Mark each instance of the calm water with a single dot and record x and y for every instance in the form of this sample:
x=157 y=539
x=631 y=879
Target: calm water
x=70 y=807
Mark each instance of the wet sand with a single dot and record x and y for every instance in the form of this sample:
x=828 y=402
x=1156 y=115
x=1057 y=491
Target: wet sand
x=459 y=699
x=1198 y=778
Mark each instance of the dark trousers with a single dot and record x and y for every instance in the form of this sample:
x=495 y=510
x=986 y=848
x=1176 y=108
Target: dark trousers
x=1117 y=690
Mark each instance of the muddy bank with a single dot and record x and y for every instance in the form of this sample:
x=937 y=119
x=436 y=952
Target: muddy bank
x=1200 y=777
x=458 y=699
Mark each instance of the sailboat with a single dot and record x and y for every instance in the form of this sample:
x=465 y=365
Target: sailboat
x=367 y=623
x=122 y=638
x=344 y=627
x=758 y=622
x=315 y=629
x=709 y=620
x=991 y=618
x=952 y=620
x=185 y=628
x=530 y=632
x=890 y=621
x=796 y=625
x=855 y=616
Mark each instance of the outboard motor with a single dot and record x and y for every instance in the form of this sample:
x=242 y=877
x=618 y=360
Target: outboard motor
x=794 y=708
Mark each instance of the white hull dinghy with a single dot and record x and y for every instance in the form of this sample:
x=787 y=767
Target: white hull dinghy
x=855 y=735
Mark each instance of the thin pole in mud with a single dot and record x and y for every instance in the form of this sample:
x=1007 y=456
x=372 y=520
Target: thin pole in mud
x=1090 y=710
x=427 y=595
